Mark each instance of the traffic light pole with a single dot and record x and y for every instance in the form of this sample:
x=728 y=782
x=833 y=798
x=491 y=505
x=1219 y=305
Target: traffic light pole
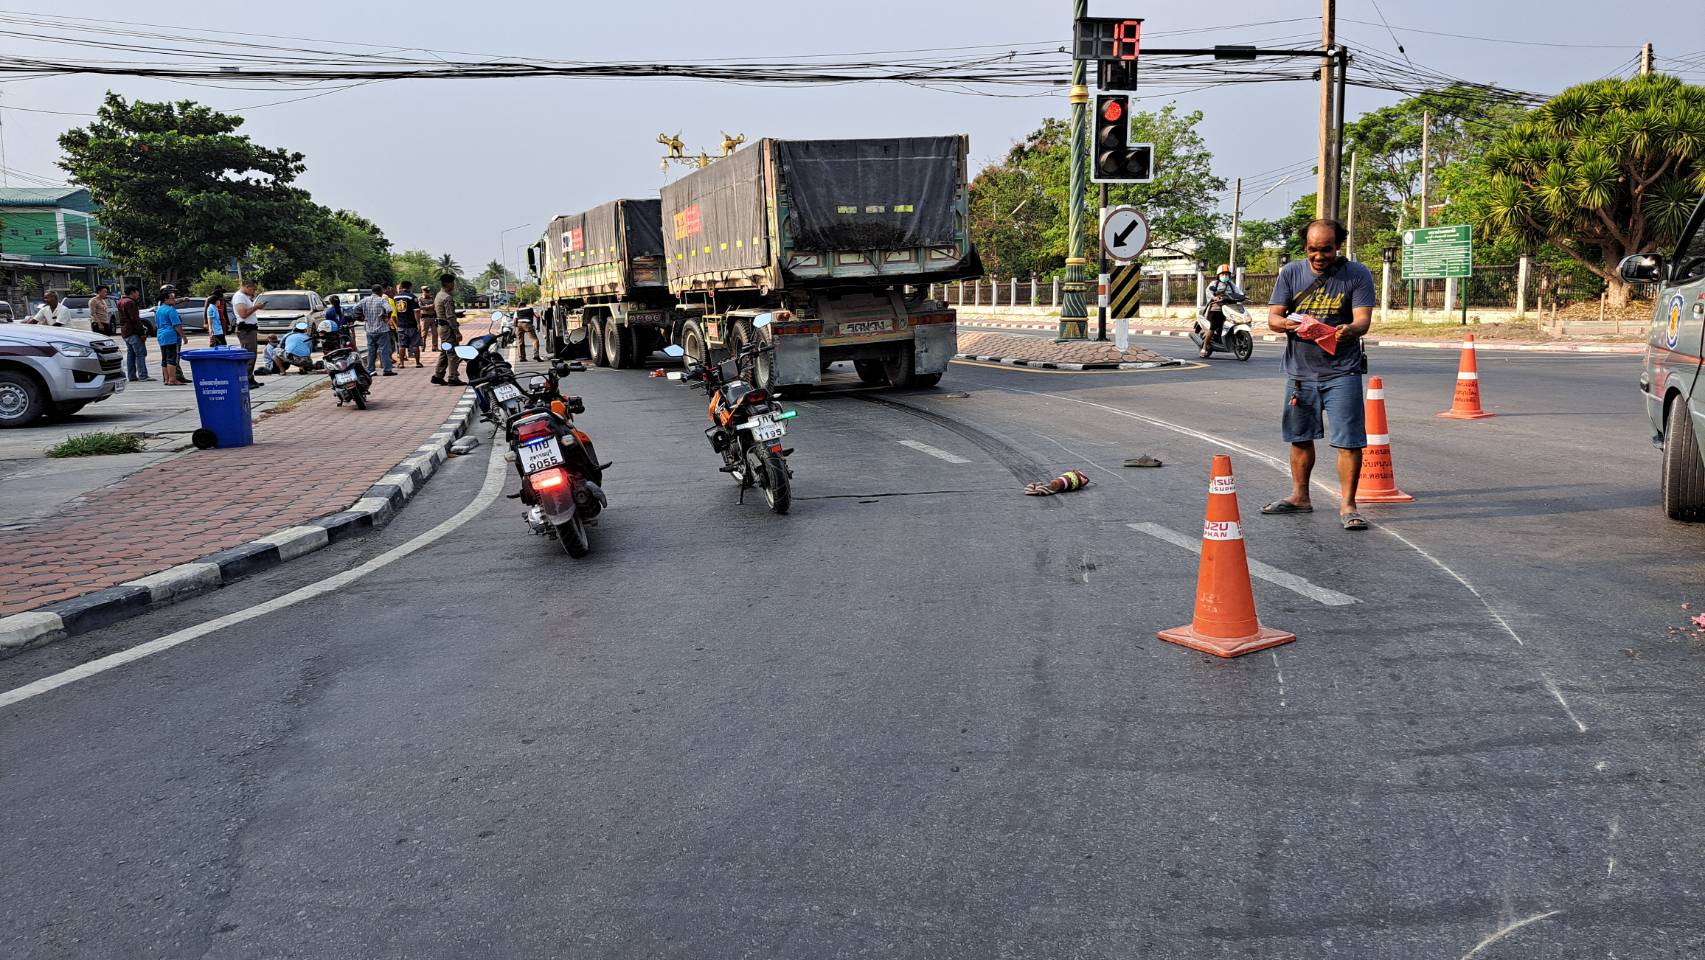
x=1100 y=274
x=1073 y=319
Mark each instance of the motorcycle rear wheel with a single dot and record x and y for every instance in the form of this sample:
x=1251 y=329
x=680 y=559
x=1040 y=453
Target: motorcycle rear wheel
x=572 y=536
x=779 y=490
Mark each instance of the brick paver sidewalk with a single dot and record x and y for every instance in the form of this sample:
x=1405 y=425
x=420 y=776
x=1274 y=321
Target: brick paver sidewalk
x=1043 y=350
x=310 y=461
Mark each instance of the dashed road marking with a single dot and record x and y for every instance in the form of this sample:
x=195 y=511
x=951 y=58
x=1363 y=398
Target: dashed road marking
x=1267 y=572
x=936 y=452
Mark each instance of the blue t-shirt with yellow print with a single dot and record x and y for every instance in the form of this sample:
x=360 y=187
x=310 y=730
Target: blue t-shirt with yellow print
x=1349 y=286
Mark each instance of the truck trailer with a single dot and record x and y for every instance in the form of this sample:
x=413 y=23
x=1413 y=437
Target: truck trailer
x=604 y=270
x=838 y=240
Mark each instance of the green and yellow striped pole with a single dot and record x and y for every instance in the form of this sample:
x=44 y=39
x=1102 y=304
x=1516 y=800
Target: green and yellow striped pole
x=1074 y=318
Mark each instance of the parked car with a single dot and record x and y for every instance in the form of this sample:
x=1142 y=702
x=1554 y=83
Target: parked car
x=54 y=371
x=5 y=312
x=192 y=309
x=279 y=309
x=77 y=309
x=1674 y=403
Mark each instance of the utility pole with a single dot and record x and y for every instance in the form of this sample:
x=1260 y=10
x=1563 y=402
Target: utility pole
x=1236 y=214
x=1074 y=320
x=1101 y=284
x=1646 y=60
x=1338 y=132
x=1350 y=216
x=1426 y=160
x=1326 y=180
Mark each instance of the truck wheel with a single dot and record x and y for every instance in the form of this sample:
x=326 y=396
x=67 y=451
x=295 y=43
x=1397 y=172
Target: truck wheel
x=1684 y=472
x=618 y=344
x=554 y=341
x=595 y=341
x=693 y=341
x=897 y=367
x=871 y=372
x=924 y=381
x=21 y=401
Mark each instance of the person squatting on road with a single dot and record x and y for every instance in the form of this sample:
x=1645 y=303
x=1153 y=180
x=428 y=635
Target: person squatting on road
x=1221 y=290
x=375 y=310
x=449 y=331
x=1328 y=300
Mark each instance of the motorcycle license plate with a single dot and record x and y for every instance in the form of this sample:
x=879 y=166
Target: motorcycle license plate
x=506 y=391
x=765 y=429
x=541 y=454
x=345 y=378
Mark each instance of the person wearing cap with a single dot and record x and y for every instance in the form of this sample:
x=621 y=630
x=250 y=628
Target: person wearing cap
x=168 y=332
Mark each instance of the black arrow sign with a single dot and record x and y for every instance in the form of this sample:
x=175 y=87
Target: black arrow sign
x=1125 y=234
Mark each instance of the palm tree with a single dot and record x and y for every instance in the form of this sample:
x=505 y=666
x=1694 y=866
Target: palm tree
x=448 y=264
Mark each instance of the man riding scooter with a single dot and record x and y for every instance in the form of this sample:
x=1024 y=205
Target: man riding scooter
x=1220 y=291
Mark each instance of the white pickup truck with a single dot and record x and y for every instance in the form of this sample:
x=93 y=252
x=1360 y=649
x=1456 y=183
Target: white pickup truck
x=54 y=371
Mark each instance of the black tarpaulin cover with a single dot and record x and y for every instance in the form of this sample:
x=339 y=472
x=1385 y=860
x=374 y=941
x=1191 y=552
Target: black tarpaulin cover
x=887 y=194
x=645 y=228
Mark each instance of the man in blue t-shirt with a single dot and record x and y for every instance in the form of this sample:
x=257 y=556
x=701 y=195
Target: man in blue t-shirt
x=1323 y=388
x=168 y=330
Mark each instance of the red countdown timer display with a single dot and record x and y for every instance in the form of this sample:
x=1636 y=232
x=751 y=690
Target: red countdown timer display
x=1107 y=38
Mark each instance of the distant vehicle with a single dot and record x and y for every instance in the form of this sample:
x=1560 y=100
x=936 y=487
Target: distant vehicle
x=54 y=371
x=280 y=309
x=1674 y=403
x=192 y=309
x=5 y=312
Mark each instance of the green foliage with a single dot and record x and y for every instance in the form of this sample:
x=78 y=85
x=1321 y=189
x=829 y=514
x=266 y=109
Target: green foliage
x=179 y=188
x=448 y=264
x=96 y=445
x=417 y=266
x=1604 y=169
x=316 y=281
x=494 y=269
x=78 y=288
x=211 y=280
x=1020 y=207
x=527 y=293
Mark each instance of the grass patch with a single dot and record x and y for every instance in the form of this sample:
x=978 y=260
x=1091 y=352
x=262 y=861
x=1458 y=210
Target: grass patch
x=290 y=403
x=98 y=444
x=1512 y=330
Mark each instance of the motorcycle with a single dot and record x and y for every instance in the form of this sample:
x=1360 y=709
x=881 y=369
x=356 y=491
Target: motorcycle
x=560 y=474
x=746 y=423
x=1235 y=336
x=350 y=379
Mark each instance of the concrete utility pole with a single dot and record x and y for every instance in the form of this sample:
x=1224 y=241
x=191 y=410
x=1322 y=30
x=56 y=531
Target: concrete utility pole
x=1236 y=212
x=1326 y=180
x=1074 y=320
x=1426 y=160
x=1646 y=60
x=1350 y=216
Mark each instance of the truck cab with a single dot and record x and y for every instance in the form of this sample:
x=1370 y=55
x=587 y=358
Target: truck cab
x=1674 y=346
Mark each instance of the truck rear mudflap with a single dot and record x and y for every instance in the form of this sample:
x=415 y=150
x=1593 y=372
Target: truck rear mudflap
x=804 y=346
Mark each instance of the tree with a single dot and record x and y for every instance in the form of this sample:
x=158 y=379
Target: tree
x=448 y=264
x=497 y=270
x=179 y=189
x=527 y=293
x=1019 y=209
x=211 y=280
x=1602 y=170
x=416 y=266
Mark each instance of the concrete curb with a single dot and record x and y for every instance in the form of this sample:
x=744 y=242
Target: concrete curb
x=1054 y=365
x=1604 y=348
x=377 y=506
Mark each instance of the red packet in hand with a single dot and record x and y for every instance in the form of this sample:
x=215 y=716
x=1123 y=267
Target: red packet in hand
x=1324 y=335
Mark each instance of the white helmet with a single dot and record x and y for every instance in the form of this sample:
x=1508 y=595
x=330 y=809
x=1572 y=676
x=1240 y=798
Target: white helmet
x=328 y=326
x=301 y=326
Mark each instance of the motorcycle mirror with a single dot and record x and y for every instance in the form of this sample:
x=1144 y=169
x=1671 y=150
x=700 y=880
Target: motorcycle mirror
x=446 y=346
x=497 y=316
x=674 y=351
x=467 y=353
x=762 y=320
x=577 y=336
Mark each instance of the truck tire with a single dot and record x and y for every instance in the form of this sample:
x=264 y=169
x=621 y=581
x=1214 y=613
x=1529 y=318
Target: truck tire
x=897 y=367
x=618 y=344
x=595 y=341
x=923 y=381
x=1684 y=471
x=554 y=341
x=21 y=400
x=871 y=372
x=693 y=341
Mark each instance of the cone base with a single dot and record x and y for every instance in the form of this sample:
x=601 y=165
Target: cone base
x=1263 y=638
x=1472 y=415
x=1388 y=496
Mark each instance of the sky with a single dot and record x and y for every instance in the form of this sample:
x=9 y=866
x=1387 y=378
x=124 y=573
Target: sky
x=454 y=165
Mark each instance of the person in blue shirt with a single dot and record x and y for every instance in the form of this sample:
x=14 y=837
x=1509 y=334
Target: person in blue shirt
x=216 y=325
x=168 y=326
x=299 y=348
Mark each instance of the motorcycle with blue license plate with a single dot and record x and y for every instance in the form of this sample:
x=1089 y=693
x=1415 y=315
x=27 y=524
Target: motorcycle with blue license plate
x=747 y=424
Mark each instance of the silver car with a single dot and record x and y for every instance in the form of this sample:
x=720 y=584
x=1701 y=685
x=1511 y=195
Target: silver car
x=1669 y=381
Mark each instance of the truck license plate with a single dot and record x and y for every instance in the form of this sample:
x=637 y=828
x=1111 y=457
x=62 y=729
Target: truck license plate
x=541 y=454
x=852 y=327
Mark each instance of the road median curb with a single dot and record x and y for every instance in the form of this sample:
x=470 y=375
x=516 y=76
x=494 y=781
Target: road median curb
x=1061 y=365
x=376 y=507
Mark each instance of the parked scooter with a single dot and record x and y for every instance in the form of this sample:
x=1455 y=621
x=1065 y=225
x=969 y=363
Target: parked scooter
x=1235 y=336
x=350 y=379
x=746 y=423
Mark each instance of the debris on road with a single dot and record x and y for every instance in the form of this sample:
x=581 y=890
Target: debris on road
x=1143 y=461
x=1070 y=480
x=465 y=446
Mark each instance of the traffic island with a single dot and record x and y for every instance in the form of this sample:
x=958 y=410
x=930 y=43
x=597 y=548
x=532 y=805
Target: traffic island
x=1021 y=351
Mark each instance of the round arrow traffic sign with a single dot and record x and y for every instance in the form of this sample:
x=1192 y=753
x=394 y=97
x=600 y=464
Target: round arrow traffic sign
x=1124 y=233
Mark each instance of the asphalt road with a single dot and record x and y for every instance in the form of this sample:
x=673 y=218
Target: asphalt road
x=922 y=715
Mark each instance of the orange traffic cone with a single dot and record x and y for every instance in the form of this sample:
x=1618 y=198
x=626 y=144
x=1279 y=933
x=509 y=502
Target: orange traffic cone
x=1466 y=406
x=1225 y=623
x=1378 y=482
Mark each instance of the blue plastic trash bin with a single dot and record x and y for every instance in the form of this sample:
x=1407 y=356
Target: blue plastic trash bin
x=222 y=396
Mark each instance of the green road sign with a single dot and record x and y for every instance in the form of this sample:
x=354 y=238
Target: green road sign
x=1432 y=253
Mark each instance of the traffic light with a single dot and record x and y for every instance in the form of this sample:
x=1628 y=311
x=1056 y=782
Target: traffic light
x=1116 y=159
x=1116 y=76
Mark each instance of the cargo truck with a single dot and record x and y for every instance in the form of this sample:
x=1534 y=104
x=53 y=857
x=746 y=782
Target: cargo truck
x=838 y=240
x=603 y=270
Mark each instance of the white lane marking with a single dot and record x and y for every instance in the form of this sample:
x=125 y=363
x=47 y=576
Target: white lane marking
x=1280 y=671
x=1284 y=467
x=1111 y=473
x=935 y=452
x=494 y=475
x=1506 y=931
x=1271 y=574
x=1615 y=828
x=1551 y=685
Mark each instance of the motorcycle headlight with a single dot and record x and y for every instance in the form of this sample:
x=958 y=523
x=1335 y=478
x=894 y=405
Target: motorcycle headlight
x=536 y=383
x=72 y=349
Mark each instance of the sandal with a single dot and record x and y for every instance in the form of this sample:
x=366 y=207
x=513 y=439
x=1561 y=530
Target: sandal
x=1352 y=521
x=1143 y=461
x=1284 y=506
